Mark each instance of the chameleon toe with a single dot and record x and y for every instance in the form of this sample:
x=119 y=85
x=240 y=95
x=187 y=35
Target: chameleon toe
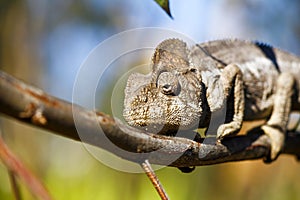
x=277 y=141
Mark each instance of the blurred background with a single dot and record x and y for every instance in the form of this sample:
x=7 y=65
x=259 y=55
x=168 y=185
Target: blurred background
x=45 y=42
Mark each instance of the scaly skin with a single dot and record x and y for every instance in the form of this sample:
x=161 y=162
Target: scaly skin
x=248 y=80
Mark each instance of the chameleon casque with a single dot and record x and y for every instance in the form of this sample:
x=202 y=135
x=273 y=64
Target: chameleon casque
x=251 y=80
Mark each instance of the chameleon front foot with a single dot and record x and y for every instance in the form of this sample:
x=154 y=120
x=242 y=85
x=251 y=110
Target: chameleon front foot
x=228 y=129
x=277 y=138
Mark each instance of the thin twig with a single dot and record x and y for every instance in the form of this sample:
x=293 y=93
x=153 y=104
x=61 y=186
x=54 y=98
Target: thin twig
x=14 y=185
x=16 y=167
x=154 y=180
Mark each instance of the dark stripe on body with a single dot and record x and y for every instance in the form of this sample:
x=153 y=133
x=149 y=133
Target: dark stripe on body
x=209 y=55
x=268 y=51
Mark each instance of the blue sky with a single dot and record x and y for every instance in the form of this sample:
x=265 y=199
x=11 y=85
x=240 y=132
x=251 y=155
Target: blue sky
x=66 y=45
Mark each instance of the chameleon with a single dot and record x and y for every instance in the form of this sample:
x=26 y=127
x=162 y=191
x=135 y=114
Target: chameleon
x=250 y=80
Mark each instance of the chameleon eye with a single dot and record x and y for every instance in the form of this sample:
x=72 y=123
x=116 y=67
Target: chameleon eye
x=194 y=70
x=168 y=84
x=167 y=88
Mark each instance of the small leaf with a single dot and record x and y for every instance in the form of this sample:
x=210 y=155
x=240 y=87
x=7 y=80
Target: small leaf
x=164 y=4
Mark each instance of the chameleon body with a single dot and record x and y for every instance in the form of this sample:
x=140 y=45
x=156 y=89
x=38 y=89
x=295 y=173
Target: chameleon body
x=249 y=80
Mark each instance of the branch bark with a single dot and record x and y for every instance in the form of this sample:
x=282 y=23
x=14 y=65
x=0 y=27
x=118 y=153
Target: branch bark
x=33 y=106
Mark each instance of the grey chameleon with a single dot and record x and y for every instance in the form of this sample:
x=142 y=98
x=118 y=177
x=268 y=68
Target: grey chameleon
x=186 y=86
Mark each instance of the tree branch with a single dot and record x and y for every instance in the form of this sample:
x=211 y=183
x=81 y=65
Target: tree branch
x=32 y=106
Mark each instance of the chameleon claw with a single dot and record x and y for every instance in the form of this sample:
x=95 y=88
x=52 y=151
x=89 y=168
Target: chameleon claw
x=277 y=141
x=225 y=130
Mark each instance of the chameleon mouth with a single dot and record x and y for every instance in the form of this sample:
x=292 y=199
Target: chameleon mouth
x=164 y=128
x=152 y=118
x=147 y=125
x=159 y=129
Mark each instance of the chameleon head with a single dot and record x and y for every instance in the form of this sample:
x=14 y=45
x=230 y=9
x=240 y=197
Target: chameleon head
x=169 y=98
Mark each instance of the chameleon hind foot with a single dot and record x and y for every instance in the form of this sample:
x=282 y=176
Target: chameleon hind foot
x=277 y=138
x=276 y=125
